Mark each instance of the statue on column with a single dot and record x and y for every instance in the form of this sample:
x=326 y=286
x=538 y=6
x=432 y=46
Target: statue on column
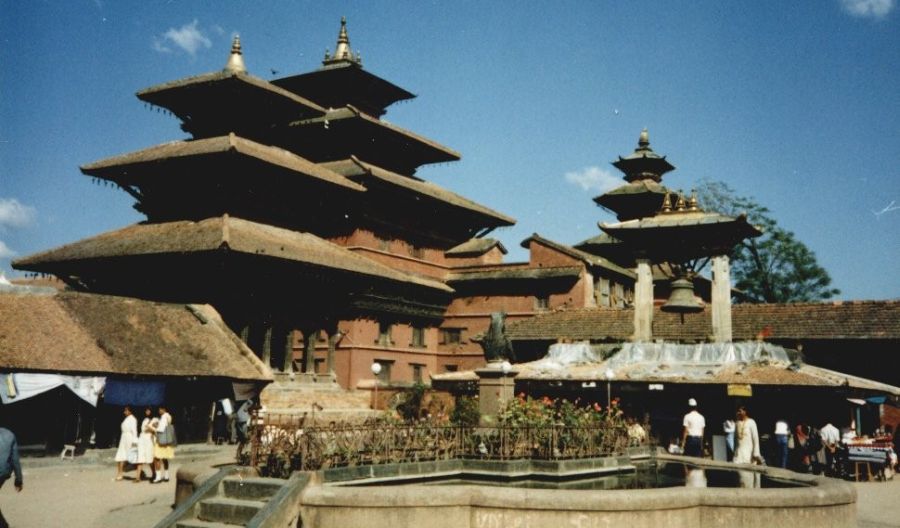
x=494 y=343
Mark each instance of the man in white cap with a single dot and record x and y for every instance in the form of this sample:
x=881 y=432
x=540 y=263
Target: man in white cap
x=692 y=435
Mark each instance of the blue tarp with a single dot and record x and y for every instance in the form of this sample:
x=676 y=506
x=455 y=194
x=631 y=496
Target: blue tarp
x=129 y=392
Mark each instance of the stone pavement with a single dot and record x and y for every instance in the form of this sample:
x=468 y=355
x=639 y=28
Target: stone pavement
x=83 y=493
x=878 y=505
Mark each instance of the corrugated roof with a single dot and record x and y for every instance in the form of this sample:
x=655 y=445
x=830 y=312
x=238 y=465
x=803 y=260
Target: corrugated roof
x=475 y=247
x=839 y=320
x=124 y=166
x=213 y=234
x=354 y=169
x=99 y=334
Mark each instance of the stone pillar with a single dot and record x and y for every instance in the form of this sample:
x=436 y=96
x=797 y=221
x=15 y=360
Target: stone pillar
x=643 y=303
x=721 y=299
x=309 y=350
x=495 y=388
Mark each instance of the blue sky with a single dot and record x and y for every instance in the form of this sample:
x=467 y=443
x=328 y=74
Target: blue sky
x=794 y=103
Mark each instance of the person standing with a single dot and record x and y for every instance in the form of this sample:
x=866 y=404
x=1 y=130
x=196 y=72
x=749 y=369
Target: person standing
x=692 y=433
x=165 y=444
x=9 y=464
x=831 y=437
x=747 y=436
x=127 y=441
x=782 y=435
x=728 y=429
x=145 y=445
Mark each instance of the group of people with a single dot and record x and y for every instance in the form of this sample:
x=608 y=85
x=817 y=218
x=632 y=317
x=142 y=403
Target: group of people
x=741 y=435
x=153 y=447
x=742 y=439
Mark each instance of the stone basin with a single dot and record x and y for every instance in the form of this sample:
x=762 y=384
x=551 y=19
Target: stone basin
x=368 y=496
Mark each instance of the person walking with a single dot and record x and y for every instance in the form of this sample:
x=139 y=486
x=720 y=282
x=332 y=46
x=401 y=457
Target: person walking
x=692 y=433
x=9 y=464
x=145 y=445
x=164 y=451
x=831 y=437
x=747 y=436
x=782 y=436
x=127 y=442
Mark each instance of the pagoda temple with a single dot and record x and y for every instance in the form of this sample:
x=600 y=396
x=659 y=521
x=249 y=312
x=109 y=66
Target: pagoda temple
x=295 y=211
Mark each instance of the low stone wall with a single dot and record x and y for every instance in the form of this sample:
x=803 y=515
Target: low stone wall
x=822 y=503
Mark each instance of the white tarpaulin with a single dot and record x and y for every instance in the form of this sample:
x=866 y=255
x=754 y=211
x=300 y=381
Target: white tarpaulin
x=21 y=386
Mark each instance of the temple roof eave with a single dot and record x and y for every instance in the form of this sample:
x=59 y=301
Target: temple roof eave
x=353 y=168
x=185 y=238
x=127 y=167
x=181 y=95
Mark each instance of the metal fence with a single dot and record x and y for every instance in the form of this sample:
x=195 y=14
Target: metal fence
x=280 y=444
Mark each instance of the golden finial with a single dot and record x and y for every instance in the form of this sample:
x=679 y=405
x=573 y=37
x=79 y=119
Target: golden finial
x=667 y=204
x=342 y=51
x=644 y=139
x=692 y=203
x=235 y=62
x=680 y=204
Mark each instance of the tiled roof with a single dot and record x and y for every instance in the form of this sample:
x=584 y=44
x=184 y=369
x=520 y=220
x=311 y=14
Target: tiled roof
x=569 y=272
x=72 y=332
x=587 y=258
x=475 y=247
x=837 y=320
x=213 y=234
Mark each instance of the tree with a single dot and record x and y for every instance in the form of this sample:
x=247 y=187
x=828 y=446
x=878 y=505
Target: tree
x=772 y=268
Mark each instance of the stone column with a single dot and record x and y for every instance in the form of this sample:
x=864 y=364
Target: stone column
x=643 y=303
x=721 y=299
x=495 y=388
x=332 y=346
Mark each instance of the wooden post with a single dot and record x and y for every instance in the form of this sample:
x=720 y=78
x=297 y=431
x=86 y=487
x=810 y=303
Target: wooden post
x=309 y=350
x=643 y=303
x=288 y=361
x=332 y=346
x=721 y=299
x=267 y=343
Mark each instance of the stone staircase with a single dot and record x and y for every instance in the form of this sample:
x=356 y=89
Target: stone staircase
x=239 y=500
x=327 y=402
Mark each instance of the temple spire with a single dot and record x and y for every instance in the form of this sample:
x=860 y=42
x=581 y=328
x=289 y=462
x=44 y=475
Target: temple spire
x=643 y=163
x=342 y=51
x=235 y=62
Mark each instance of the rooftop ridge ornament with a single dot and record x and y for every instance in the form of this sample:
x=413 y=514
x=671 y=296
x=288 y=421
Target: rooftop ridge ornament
x=342 y=51
x=643 y=163
x=235 y=62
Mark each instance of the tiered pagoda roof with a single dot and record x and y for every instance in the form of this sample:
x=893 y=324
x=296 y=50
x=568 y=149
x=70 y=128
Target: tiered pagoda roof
x=643 y=194
x=342 y=81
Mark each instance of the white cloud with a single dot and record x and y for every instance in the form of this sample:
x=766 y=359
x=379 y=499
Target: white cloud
x=594 y=178
x=13 y=213
x=868 y=8
x=6 y=252
x=188 y=37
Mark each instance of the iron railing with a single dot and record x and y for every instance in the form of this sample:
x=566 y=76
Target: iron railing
x=280 y=444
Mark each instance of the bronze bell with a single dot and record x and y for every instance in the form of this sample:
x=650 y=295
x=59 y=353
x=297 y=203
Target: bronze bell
x=682 y=299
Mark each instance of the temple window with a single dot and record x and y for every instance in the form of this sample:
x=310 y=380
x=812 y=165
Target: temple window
x=418 y=337
x=384 y=334
x=542 y=302
x=416 y=252
x=451 y=336
x=417 y=370
x=451 y=368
